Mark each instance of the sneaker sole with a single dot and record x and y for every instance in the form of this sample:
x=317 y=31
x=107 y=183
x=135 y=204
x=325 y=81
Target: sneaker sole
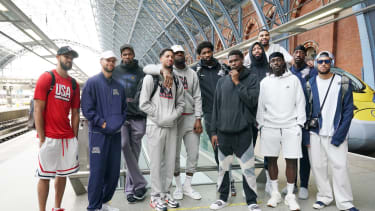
x=287 y=204
x=139 y=198
x=219 y=207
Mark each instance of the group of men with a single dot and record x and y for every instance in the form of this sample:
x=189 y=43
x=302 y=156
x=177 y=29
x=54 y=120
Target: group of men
x=289 y=108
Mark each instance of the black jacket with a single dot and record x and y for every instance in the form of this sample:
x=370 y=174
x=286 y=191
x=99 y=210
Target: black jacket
x=129 y=75
x=208 y=78
x=235 y=106
x=259 y=67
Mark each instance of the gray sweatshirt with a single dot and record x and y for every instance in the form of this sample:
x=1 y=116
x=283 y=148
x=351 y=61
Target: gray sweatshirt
x=190 y=82
x=165 y=106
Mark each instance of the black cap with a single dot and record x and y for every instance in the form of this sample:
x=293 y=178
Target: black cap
x=276 y=54
x=300 y=47
x=66 y=50
x=126 y=46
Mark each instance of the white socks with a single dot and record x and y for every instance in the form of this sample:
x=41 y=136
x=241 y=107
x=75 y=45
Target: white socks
x=275 y=185
x=187 y=183
x=178 y=182
x=290 y=188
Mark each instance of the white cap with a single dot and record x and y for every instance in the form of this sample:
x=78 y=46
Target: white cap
x=107 y=55
x=177 y=48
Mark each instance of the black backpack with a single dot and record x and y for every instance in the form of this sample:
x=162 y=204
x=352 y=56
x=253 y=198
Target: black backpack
x=31 y=120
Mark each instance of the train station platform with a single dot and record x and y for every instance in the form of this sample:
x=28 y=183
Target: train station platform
x=18 y=158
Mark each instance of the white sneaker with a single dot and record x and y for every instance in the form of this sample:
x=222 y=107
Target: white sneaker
x=274 y=200
x=254 y=207
x=303 y=193
x=218 y=205
x=106 y=207
x=189 y=191
x=290 y=200
x=177 y=194
x=171 y=202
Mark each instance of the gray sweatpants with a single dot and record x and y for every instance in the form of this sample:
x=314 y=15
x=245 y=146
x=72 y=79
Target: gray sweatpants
x=161 y=149
x=132 y=133
x=185 y=131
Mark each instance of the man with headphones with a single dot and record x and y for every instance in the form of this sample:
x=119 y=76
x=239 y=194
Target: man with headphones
x=329 y=117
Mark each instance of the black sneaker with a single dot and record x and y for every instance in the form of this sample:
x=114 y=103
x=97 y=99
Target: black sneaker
x=131 y=199
x=140 y=194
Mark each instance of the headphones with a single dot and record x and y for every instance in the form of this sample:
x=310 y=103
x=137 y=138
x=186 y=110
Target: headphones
x=330 y=55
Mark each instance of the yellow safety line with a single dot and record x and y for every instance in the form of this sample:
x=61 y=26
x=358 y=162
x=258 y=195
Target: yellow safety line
x=206 y=207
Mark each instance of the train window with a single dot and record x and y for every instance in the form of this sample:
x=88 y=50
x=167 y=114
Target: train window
x=358 y=86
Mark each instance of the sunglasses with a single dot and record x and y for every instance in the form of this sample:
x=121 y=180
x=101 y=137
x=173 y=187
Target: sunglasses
x=326 y=61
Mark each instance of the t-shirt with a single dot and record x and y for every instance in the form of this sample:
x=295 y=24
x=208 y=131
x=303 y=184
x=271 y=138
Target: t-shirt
x=329 y=108
x=60 y=100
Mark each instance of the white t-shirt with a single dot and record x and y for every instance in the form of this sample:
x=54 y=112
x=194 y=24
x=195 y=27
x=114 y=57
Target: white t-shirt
x=273 y=48
x=329 y=109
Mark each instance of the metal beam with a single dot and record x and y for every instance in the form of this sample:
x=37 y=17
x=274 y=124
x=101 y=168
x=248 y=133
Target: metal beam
x=280 y=11
x=187 y=31
x=261 y=16
x=213 y=23
x=229 y=19
x=135 y=20
x=366 y=28
x=201 y=31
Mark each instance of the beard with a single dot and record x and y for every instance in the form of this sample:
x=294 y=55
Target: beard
x=108 y=70
x=324 y=73
x=278 y=71
x=66 y=67
x=258 y=58
x=179 y=62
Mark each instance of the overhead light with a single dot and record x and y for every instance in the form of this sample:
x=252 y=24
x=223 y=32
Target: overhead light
x=319 y=16
x=32 y=33
x=2 y=8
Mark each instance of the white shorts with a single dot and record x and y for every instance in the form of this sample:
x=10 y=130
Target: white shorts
x=58 y=157
x=272 y=140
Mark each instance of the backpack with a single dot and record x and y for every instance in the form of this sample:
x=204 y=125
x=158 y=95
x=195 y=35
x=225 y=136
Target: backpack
x=31 y=120
x=345 y=81
x=155 y=79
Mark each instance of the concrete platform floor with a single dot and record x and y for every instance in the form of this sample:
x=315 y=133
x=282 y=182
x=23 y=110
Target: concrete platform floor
x=18 y=158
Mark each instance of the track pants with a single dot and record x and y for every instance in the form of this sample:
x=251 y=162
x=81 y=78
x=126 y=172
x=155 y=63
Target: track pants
x=185 y=131
x=323 y=154
x=105 y=156
x=161 y=149
x=240 y=145
x=131 y=140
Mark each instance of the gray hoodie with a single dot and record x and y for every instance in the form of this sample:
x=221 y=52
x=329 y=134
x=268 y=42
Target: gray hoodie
x=190 y=82
x=165 y=106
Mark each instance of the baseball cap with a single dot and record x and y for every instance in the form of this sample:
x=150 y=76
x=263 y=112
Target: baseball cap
x=107 y=55
x=126 y=46
x=66 y=50
x=177 y=48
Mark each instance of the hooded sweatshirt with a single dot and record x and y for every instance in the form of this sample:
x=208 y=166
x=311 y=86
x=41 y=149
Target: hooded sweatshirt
x=166 y=105
x=129 y=75
x=281 y=102
x=259 y=67
x=208 y=77
x=190 y=82
x=234 y=106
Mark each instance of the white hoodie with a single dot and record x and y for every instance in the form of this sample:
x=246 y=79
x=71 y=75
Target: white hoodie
x=190 y=82
x=281 y=102
x=166 y=106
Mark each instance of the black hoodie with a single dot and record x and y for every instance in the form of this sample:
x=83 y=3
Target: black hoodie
x=129 y=75
x=235 y=106
x=259 y=67
x=208 y=78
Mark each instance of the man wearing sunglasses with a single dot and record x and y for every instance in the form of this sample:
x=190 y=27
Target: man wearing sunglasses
x=328 y=144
